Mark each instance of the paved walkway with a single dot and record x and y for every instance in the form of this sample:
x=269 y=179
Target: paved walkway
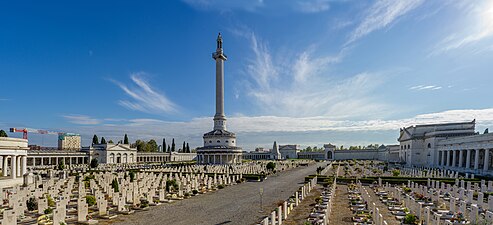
x=238 y=204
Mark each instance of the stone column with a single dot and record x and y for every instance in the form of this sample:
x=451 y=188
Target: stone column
x=18 y=163
x=448 y=158
x=461 y=158
x=476 y=160
x=4 y=166
x=468 y=159
x=24 y=164
x=486 y=160
x=454 y=158
x=13 y=172
x=444 y=158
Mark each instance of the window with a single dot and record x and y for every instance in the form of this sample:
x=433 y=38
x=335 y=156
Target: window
x=232 y=141
x=210 y=141
x=408 y=146
x=429 y=145
x=218 y=141
x=227 y=141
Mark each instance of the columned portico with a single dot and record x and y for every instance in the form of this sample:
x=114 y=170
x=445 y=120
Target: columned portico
x=461 y=158
x=486 y=164
x=468 y=159
x=476 y=159
x=12 y=150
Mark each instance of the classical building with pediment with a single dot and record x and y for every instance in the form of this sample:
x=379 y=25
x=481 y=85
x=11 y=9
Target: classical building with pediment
x=112 y=153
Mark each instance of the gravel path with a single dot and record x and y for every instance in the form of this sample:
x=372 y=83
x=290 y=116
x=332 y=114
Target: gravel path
x=384 y=210
x=341 y=214
x=237 y=204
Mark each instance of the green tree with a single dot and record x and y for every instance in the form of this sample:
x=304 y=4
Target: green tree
x=342 y=147
x=151 y=146
x=95 y=140
x=61 y=165
x=32 y=204
x=125 y=139
x=188 y=148
x=90 y=200
x=103 y=141
x=271 y=166
x=132 y=176
x=140 y=145
x=173 y=145
x=94 y=163
x=3 y=133
x=183 y=148
x=169 y=149
x=110 y=141
x=115 y=186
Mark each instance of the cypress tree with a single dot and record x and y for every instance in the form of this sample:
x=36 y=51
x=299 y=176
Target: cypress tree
x=183 y=148
x=103 y=141
x=95 y=140
x=188 y=148
x=125 y=139
x=173 y=145
x=169 y=149
x=3 y=133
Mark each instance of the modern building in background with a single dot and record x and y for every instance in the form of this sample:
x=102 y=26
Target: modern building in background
x=219 y=144
x=69 y=141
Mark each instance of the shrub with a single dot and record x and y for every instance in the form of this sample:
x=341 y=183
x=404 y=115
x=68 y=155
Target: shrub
x=90 y=200
x=144 y=203
x=94 y=163
x=132 y=176
x=61 y=165
x=271 y=166
x=396 y=173
x=221 y=186
x=32 y=204
x=187 y=194
x=115 y=186
x=48 y=210
x=410 y=219
x=195 y=192
x=51 y=202
x=171 y=184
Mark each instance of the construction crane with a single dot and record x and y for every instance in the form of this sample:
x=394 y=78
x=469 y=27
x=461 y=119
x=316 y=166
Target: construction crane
x=24 y=131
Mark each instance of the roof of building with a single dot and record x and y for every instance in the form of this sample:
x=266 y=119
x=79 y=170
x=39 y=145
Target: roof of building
x=221 y=133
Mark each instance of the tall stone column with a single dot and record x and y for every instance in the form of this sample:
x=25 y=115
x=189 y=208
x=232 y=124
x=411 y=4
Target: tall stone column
x=13 y=171
x=19 y=166
x=461 y=158
x=454 y=158
x=468 y=159
x=24 y=165
x=444 y=158
x=220 y=57
x=486 y=160
x=448 y=158
x=476 y=159
x=4 y=166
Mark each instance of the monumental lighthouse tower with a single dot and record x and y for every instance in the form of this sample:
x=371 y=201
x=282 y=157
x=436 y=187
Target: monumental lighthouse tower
x=219 y=144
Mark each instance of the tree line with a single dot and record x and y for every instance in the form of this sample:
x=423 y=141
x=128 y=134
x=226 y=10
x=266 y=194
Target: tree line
x=146 y=146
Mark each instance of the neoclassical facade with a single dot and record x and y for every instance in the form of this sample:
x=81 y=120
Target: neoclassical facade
x=13 y=159
x=455 y=146
x=112 y=153
x=219 y=144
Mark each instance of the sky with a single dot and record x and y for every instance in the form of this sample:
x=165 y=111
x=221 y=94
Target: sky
x=346 y=72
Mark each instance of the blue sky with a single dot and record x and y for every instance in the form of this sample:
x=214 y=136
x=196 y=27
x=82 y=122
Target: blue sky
x=299 y=72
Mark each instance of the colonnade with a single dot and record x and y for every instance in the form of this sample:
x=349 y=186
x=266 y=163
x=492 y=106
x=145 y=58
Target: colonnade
x=466 y=159
x=153 y=158
x=55 y=160
x=220 y=158
x=18 y=165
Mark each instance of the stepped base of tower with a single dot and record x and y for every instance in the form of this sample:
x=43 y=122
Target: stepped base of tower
x=219 y=155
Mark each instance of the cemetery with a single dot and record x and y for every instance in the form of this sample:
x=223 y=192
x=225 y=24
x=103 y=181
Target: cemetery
x=78 y=195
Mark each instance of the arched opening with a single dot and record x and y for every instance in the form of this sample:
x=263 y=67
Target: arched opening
x=329 y=155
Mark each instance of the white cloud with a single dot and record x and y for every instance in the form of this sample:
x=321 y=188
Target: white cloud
x=313 y=6
x=268 y=128
x=425 y=87
x=481 y=15
x=144 y=97
x=381 y=14
x=82 y=119
x=300 y=85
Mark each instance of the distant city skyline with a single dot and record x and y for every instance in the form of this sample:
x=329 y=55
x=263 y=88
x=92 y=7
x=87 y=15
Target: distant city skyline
x=298 y=72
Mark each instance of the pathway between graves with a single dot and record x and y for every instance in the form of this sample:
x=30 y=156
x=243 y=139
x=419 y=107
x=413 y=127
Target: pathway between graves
x=341 y=214
x=384 y=210
x=237 y=204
